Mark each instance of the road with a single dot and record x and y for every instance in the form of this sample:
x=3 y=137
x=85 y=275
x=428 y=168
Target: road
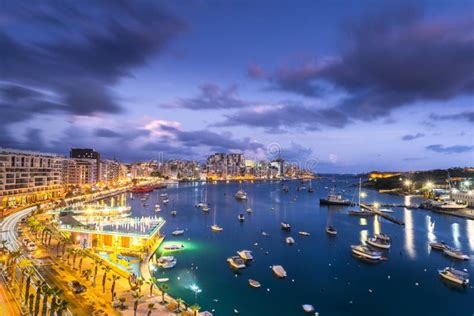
x=8 y=227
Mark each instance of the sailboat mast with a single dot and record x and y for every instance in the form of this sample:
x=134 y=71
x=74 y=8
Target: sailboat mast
x=360 y=189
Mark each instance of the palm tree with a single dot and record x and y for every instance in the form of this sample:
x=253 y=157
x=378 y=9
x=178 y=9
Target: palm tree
x=179 y=301
x=29 y=274
x=55 y=293
x=30 y=305
x=12 y=259
x=151 y=307
x=65 y=240
x=122 y=303
x=74 y=257
x=112 y=289
x=104 y=277
x=62 y=306
x=163 y=289
x=97 y=262
x=151 y=282
x=83 y=255
x=46 y=292
x=136 y=299
x=38 y=294
x=69 y=252
x=195 y=308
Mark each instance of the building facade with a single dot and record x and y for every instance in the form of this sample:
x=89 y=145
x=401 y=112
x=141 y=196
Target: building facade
x=80 y=171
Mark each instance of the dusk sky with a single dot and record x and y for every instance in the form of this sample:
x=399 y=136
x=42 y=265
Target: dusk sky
x=353 y=85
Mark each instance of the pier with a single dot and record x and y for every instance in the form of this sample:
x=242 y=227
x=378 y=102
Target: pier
x=384 y=215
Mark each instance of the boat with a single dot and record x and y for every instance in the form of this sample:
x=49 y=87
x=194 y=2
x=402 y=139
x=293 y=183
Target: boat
x=174 y=213
x=245 y=254
x=173 y=247
x=311 y=189
x=254 y=283
x=164 y=194
x=241 y=217
x=265 y=234
x=216 y=228
x=205 y=208
x=455 y=253
x=143 y=199
x=334 y=199
x=386 y=210
x=290 y=240
x=200 y=205
x=236 y=262
x=285 y=226
x=301 y=188
x=331 y=230
x=375 y=241
x=383 y=237
x=308 y=308
x=249 y=210
x=456 y=276
x=279 y=271
x=241 y=195
x=157 y=208
x=177 y=232
x=166 y=262
x=161 y=280
x=365 y=252
x=302 y=233
x=438 y=245
x=166 y=201
x=360 y=211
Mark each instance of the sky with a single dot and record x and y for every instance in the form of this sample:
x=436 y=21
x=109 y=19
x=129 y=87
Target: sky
x=335 y=86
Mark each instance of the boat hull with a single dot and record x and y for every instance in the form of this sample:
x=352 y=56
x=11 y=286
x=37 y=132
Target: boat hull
x=329 y=202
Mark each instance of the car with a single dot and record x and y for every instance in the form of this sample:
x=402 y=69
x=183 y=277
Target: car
x=25 y=241
x=19 y=230
x=23 y=220
x=31 y=246
x=76 y=287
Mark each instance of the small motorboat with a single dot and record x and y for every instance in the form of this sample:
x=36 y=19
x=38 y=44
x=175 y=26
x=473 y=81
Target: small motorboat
x=456 y=276
x=241 y=195
x=285 y=226
x=173 y=247
x=254 y=283
x=200 y=205
x=174 y=213
x=279 y=271
x=236 y=262
x=164 y=194
x=143 y=199
x=162 y=280
x=177 y=232
x=438 y=245
x=249 y=210
x=302 y=233
x=331 y=230
x=265 y=234
x=383 y=236
x=386 y=210
x=378 y=242
x=216 y=228
x=241 y=217
x=166 y=201
x=205 y=208
x=245 y=254
x=290 y=240
x=308 y=308
x=166 y=262
x=365 y=252
x=157 y=208
x=455 y=253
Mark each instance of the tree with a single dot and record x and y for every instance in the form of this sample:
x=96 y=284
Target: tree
x=62 y=306
x=69 y=252
x=38 y=294
x=179 y=301
x=28 y=283
x=112 y=289
x=74 y=257
x=151 y=307
x=104 y=277
x=12 y=262
x=163 y=289
x=195 y=308
x=151 y=282
x=97 y=262
x=82 y=255
x=46 y=293
x=136 y=299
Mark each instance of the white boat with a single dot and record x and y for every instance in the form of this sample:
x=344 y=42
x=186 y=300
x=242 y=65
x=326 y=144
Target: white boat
x=164 y=194
x=166 y=262
x=331 y=230
x=334 y=199
x=236 y=262
x=279 y=271
x=302 y=233
x=177 y=232
x=285 y=226
x=308 y=308
x=200 y=205
x=365 y=252
x=245 y=254
x=249 y=210
x=254 y=283
x=241 y=217
x=386 y=210
x=455 y=253
x=290 y=240
x=157 y=208
x=456 y=276
x=174 y=212
x=162 y=280
x=205 y=208
x=215 y=227
x=166 y=201
x=265 y=234
x=438 y=245
x=383 y=236
x=378 y=242
x=241 y=195
x=173 y=247
x=143 y=199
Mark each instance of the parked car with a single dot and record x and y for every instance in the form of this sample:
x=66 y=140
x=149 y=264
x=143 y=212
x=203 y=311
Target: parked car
x=31 y=246
x=76 y=287
x=25 y=241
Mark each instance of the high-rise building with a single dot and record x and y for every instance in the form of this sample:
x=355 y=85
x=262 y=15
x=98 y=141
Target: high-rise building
x=80 y=171
x=28 y=177
x=84 y=153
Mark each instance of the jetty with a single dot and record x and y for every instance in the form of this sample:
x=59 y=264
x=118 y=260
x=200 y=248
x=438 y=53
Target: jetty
x=382 y=214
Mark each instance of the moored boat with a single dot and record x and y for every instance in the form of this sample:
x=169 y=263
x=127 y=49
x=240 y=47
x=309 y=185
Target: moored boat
x=245 y=254
x=308 y=308
x=331 y=230
x=375 y=241
x=236 y=262
x=455 y=253
x=166 y=262
x=241 y=195
x=177 y=232
x=456 y=276
x=285 y=226
x=216 y=228
x=241 y=217
x=173 y=247
x=438 y=245
x=279 y=271
x=254 y=283
x=303 y=233
x=249 y=210
x=290 y=240
x=365 y=252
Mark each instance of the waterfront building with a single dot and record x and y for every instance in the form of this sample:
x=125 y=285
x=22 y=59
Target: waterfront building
x=464 y=197
x=27 y=177
x=111 y=171
x=80 y=171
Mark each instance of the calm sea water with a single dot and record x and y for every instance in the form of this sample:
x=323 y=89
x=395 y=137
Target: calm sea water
x=321 y=270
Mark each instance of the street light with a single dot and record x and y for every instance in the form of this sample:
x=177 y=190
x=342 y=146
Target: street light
x=363 y=194
x=407 y=183
x=429 y=184
x=376 y=205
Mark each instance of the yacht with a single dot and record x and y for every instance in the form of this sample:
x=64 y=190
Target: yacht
x=383 y=237
x=386 y=210
x=254 y=283
x=456 y=276
x=331 y=230
x=365 y=252
x=249 y=210
x=205 y=208
x=241 y=195
x=166 y=201
x=215 y=227
x=177 y=232
x=311 y=189
x=285 y=226
x=302 y=233
x=241 y=217
x=308 y=308
x=378 y=242
x=334 y=199
x=173 y=247
x=200 y=205
x=290 y=240
x=236 y=262
x=157 y=208
x=279 y=271
x=245 y=254
x=455 y=253
x=438 y=245
x=265 y=234
x=167 y=262
x=360 y=211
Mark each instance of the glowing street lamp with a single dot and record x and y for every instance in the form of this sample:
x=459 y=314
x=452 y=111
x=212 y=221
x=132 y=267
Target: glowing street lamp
x=363 y=194
x=407 y=183
x=429 y=184
x=376 y=205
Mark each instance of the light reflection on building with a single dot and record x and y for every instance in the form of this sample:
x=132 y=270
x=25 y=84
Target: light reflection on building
x=363 y=236
x=470 y=233
x=409 y=236
x=456 y=235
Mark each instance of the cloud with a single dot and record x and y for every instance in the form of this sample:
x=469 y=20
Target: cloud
x=105 y=132
x=409 y=137
x=389 y=60
x=463 y=116
x=254 y=70
x=211 y=97
x=456 y=149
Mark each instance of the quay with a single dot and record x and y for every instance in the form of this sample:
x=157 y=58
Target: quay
x=384 y=215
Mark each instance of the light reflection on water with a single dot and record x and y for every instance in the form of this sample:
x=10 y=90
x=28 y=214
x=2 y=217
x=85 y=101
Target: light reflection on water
x=456 y=235
x=430 y=227
x=470 y=233
x=409 y=236
x=363 y=236
x=377 y=224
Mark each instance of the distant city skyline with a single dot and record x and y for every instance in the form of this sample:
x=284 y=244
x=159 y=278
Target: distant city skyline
x=355 y=87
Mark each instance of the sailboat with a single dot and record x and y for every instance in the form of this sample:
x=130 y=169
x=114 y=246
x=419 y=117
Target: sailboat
x=205 y=207
x=284 y=224
x=311 y=189
x=215 y=227
x=360 y=211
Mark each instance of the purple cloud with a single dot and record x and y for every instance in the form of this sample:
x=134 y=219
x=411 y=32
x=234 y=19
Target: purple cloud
x=409 y=137
x=456 y=149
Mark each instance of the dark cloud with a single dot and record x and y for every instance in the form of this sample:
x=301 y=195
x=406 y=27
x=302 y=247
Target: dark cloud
x=463 y=116
x=456 y=149
x=409 y=137
x=107 y=133
x=389 y=60
x=211 y=97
